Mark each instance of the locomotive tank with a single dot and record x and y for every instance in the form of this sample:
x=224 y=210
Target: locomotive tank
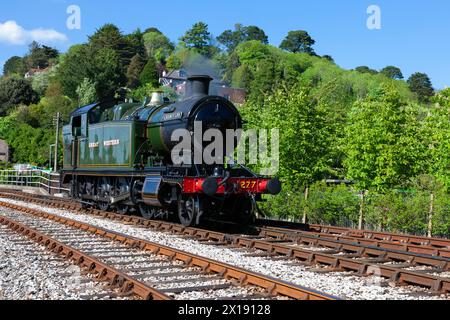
x=212 y=112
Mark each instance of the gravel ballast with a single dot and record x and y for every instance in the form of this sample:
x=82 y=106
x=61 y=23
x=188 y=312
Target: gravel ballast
x=29 y=272
x=342 y=284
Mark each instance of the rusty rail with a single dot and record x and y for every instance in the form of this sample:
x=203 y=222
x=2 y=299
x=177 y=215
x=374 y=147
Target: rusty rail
x=126 y=283
x=337 y=263
x=240 y=276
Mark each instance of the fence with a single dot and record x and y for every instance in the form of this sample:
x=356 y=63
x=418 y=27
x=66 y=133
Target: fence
x=49 y=182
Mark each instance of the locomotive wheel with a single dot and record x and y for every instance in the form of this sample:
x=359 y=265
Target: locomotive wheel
x=147 y=212
x=188 y=211
x=104 y=206
x=122 y=209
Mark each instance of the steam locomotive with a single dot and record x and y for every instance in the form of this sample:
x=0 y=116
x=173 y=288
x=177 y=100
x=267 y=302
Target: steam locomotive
x=119 y=157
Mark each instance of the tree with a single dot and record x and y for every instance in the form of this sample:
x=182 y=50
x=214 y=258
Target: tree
x=303 y=131
x=328 y=57
x=14 y=65
x=134 y=70
x=382 y=141
x=152 y=29
x=86 y=92
x=110 y=37
x=102 y=66
x=255 y=33
x=298 y=41
x=136 y=40
x=158 y=45
x=150 y=74
x=366 y=69
x=437 y=137
x=14 y=92
x=198 y=38
x=174 y=62
x=231 y=39
x=40 y=56
x=107 y=73
x=392 y=72
x=420 y=84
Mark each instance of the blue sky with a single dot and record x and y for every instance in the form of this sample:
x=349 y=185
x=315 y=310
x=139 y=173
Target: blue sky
x=414 y=34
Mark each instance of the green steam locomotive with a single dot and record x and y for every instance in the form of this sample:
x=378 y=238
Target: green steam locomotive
x=120 y=157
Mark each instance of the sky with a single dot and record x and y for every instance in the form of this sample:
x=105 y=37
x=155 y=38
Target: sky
x=414 y=35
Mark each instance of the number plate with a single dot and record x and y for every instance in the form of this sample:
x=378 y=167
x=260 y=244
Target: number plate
x=248 y=184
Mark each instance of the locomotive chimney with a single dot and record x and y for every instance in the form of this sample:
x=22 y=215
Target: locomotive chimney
x=197 y=86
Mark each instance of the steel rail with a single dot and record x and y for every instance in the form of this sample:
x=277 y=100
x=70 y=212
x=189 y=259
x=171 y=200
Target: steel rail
x=116 y=278
x=240 y=276
x=359 y=234
x=337 y=263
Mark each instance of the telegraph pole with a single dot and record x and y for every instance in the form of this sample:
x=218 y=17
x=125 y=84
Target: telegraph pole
x=57 y=119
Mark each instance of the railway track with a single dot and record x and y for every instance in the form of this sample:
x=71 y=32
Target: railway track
x=331 y=253
x=145 y=269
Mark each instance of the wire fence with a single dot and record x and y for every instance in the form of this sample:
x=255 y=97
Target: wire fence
x=47 y=181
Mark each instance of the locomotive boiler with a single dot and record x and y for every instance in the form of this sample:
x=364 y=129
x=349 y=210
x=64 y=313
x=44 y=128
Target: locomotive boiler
x=119 y=157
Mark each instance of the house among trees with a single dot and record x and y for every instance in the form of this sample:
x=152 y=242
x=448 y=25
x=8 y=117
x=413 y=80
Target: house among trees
x=34 y=71
x=176 y=80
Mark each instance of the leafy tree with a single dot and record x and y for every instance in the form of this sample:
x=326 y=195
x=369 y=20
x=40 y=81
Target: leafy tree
x=365 y=69
x=75 y=66
x=102 y=66
x=437 y=137
x=199 y=38
x=152 y=29
x=303 y=133
x=255 y=33
x=174 y=62
x=420 y=83
x=231 y=39
x=40 y=56
x=298 y=41
x=134 y=70
x=158 y=45
x=110 y=37
x=382 y=141
x=14 y=92
x=136 y=40
x=86 y=92
x=14 y=65
x=392 y=72
x=107 y=73
x=149 y=74
x=328 y=57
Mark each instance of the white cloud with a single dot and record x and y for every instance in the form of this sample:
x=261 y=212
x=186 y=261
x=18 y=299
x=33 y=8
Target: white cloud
x=12 y=33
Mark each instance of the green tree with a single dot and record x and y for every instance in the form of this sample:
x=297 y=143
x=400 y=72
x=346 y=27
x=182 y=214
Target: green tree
x=392 y=72
x=382 y=141
x=420 y=84
x=149 y=74
x=304 y=135
x=231 y=39
x=110 y=37
x=40 y=56
x=198 y=38
x=298 y=41
x=174 y=62
x=158 y=45
x=366 y=69
x=134 y=70
x=86 y=92
x=14 y=65
x=106 y=72
x=14 y=92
